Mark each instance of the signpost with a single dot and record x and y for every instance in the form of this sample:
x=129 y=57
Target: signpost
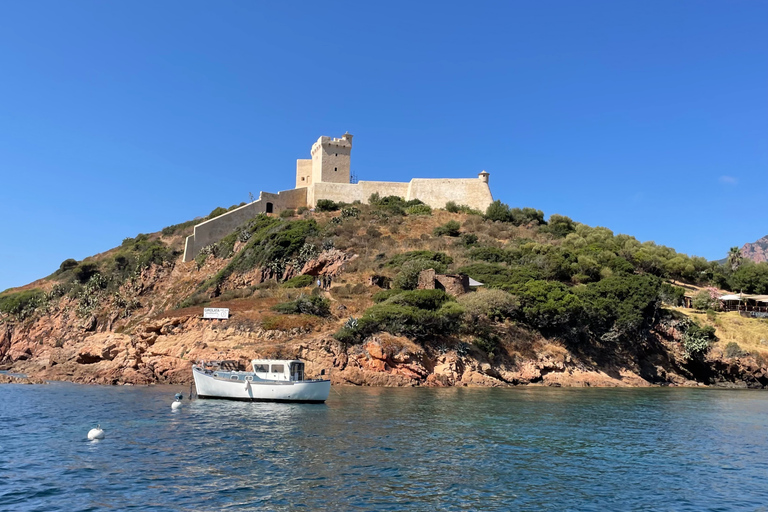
x=220 y=313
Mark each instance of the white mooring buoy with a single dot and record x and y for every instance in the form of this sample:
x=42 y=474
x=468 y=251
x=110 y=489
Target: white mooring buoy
x=177 y=403
x=95 y=433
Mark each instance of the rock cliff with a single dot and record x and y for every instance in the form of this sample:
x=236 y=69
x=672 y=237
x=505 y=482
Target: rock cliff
x=148 y=327
x=756 y=251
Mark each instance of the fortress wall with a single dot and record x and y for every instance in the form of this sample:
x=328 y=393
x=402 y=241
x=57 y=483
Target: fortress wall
x=473 y=192
x=213 y=230
x=303 y=173
x=384 y=188
x=345 y=192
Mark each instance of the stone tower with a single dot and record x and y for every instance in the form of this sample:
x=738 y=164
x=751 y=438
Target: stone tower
x=330 y=159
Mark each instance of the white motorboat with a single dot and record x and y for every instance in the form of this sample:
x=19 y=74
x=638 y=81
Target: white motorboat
x=271 y=380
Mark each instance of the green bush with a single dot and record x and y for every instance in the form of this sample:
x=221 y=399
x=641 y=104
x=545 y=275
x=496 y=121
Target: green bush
x=301 y=209
x=498 y=211
x=469 y=239
x=67 y=264
x=217 y=212
x=620 y=303
x=326 y=205
x=304 y=305
x=403 y=320
x=549 y=305
x=287 y=213
x=732 y=349
x=422 y=299
x=488 y=344
x=450 y=228
x=301 y=281
x=493 y=304
x=697 y=340
x=672 y=295
x=419 y=209
x=559 y=225
x=703 y=301
x=385 y=295
x=21 y=304
x=438 y=257
x=489 y=254
x=85 y=271
x=452 y=207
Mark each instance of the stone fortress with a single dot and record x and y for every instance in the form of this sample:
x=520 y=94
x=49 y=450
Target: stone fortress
x=327 y=175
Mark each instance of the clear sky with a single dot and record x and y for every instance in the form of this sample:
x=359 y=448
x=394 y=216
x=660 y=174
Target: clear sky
x=116 y=118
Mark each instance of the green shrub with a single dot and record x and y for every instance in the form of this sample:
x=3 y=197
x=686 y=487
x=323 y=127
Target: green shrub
x=287 y=213
x=488 y=344
x=422 y=299
x=549 y=305
x=21 y=304
x=519 y=216
x=489 y=254
x=732 y=349
x=623 y=303
x=301 y=281
x=301 y=209
x=498 y=211
x=439 y=257
x=326 y=205
x=385 y=295
x=703 y=301
x=493 y=304
x=408 y=277
x=67 y=264
x=419 y=209
x=452 y=207
x=304 y=305
x=469 y=239
x=559 y=225
x=85 y=271
x=403 y=320
x=217 y=212
x=450 y=228
x=673 y=295
x=697 y=340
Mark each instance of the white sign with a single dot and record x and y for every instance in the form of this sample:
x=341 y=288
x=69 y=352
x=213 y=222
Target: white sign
x=222 y=313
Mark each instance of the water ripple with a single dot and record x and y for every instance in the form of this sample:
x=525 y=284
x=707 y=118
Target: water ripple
x=385 y=449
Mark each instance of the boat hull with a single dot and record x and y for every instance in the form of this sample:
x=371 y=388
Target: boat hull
x=308 y=391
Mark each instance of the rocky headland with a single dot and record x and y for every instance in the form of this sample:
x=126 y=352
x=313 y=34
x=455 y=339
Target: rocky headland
x=144 y=325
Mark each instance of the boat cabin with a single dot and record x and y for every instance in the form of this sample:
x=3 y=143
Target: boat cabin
x=278 y=369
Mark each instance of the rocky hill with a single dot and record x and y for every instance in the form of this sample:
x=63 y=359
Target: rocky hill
x=757 y=251
x=562 y=304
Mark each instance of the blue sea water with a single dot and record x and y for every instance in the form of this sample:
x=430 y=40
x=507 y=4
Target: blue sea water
x=385 y=449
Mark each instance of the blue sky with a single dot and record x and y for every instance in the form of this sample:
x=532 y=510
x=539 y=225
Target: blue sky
x=647 y=117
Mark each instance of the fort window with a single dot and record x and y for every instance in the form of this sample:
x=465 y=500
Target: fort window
x=269 y=207
x=335 y=169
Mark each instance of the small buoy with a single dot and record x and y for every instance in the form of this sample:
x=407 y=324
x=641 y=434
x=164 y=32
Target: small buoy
x=176 y=405
x=95 y=433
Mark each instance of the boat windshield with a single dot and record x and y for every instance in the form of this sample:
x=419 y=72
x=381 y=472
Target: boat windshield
x=297 y=371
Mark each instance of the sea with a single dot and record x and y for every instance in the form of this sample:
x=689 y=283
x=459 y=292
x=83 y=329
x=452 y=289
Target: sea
x=378 y=449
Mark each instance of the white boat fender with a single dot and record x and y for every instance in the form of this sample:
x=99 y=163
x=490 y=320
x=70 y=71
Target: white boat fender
x=95 y=433
x=247 y=385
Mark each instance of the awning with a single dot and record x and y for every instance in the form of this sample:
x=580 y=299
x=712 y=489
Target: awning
x=730 y=297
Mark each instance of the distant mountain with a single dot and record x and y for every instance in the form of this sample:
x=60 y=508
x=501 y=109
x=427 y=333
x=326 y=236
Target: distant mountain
x=757 y=251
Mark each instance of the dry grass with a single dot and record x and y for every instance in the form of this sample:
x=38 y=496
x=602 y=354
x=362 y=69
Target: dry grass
x=751 y=334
